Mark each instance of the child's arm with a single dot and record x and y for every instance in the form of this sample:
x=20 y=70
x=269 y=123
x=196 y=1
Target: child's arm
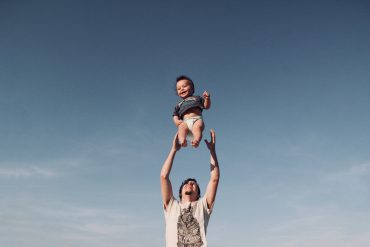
x=177 y=120
x=176 y=116
x=207 y=100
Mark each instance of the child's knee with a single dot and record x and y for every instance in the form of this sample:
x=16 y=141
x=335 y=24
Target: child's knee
x=183 y=126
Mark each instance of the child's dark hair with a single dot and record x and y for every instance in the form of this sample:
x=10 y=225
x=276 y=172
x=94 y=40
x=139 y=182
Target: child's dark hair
x=184 y=77
x=187 y=181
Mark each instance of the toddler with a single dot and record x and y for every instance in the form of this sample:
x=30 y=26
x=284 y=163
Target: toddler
x=187 y=115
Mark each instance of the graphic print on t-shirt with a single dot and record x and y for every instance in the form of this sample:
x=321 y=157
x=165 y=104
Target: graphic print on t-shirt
x=188 y=230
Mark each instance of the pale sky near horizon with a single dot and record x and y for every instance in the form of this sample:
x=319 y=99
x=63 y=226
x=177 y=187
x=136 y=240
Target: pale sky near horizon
x=86 y=98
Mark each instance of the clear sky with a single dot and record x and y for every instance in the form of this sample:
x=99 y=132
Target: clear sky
x=86 y=98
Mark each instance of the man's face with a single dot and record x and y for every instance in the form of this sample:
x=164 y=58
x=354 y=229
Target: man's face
x=190 y=189
x=184 y=88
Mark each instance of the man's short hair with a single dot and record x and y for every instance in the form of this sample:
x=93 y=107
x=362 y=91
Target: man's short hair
x=187 y=181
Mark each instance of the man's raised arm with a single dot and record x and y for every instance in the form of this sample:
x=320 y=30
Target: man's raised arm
x=215 y=171
x=166 y=186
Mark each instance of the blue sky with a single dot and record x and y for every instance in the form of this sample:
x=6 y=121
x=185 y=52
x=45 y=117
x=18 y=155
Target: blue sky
x=86 y=97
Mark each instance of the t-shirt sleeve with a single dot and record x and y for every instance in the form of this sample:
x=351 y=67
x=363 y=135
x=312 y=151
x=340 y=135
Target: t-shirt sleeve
x=205 y=206
x=176 y=111
x=201 y=99
x=169 y=207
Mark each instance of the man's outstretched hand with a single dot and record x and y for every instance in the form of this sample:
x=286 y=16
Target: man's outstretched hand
x=175 y=143
x=211 y=145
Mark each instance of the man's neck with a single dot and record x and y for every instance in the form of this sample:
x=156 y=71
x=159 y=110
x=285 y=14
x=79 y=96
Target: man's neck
x=186 y=199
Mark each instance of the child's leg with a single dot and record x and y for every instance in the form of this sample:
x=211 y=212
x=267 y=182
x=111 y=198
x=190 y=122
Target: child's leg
x=182 y=132
x=197 y=130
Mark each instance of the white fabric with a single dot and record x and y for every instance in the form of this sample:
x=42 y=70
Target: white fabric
x=186 y=223
x=190 y=122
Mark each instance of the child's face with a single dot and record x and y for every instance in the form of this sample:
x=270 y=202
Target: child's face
x=184 y=89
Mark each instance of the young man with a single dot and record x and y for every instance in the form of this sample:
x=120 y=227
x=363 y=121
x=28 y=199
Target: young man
x=187 y=219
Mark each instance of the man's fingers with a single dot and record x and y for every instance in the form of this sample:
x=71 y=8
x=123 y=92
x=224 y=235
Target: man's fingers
x=176 y=143
x=213 y=135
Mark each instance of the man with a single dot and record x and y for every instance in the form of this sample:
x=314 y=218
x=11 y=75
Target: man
x=187 y=219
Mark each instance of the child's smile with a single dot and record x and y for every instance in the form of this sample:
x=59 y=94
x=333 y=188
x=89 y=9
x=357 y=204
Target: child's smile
x=184 y=88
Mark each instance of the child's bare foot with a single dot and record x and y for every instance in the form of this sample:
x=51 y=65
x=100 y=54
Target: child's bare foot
x=183 y=143
x=195 y=143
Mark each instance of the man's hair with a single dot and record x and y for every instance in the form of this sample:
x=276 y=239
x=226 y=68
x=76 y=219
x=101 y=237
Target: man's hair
x=184 y=77
x=187 y=181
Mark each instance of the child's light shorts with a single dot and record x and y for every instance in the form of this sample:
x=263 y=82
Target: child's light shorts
x=190 y=122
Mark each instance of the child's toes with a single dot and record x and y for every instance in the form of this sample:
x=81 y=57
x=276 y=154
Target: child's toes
x=195 y=143
x=184 y=143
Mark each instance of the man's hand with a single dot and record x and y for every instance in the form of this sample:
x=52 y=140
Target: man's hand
x=211 y=145
x=175 y=143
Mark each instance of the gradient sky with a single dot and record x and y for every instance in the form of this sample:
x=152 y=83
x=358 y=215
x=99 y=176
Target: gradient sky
x=86 y=97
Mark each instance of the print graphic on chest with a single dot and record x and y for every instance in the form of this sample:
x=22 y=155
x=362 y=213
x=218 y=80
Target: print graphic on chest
x=188 y=230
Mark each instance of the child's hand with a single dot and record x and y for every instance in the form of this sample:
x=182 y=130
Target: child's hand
x=206 y=95
x=207 y=100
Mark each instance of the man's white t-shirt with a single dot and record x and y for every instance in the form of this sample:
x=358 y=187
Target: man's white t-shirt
x=186 y=223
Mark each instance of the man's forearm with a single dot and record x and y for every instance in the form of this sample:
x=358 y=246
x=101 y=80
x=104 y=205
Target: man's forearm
x=166 y=186
x=214 y=179
x=167 y=166
x=215 y=170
